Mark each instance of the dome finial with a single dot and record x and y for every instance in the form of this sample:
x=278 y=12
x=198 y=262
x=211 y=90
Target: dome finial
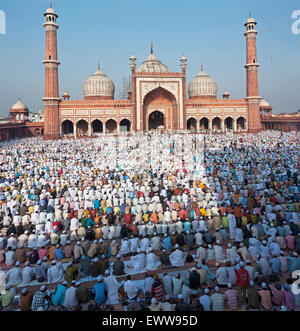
x=99 y=65
x=201 y=67
x=151 y=48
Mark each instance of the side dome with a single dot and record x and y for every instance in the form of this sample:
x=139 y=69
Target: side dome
x=19 y=106
x=264 y=103
x=99 y=85
x=203 y=85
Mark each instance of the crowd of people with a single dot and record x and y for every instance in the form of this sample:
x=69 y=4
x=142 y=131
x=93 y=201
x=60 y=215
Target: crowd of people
x=151 y=221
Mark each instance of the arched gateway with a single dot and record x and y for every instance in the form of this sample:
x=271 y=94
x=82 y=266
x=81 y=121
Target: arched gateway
x=160 y=109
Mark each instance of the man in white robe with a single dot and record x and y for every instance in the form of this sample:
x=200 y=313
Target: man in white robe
x=232 y=225
x=14 y=275
x=210 y=253
x=130 y=289
x=149 y=281
x=32 y=240
x=219 y=252
x=167 y=284
x=231 y=254
x=27 y=274
x=221 y=275
x=56 y=273
x=198 y=238
x=152 y=261
x=134 y=244
x=177 y=258
x=138 y=263
x=156 y=243
x=124 y=250
x=112 y=289
x=145 y=244
x=2 y=281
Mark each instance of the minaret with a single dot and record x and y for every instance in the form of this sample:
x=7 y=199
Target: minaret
x=254 y=123
x=132 y=60
x=51 y=99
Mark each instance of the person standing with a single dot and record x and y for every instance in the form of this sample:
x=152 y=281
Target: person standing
x=242 y=281
x=265 y=297
x=217 y=300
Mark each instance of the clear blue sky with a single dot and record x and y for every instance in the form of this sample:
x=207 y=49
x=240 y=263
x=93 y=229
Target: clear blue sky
x=208 y=32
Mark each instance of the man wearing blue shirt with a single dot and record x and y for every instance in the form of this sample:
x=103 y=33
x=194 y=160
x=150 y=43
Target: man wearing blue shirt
x=58 y=253
x=100 y=291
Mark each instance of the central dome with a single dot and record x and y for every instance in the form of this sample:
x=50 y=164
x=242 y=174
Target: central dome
x=99 y=85
x=152 y=65
x=203 y=85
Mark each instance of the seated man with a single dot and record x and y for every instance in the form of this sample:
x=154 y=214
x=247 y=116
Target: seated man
x=177 y=258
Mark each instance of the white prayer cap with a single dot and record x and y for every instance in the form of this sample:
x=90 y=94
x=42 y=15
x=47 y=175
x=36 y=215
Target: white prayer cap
x=217 y=264
x=217 y=289
x=153 y=301
x=77 y=284
x=43 y=288
x=78 y=243
x=206 y=291
x=218 y=241
x=65 y=282
x=119 y=256
x=99 y=279
x=229 y=285
x=209 y=246
x=248 y=261
x=27 y=263
x=95 y=241
x=24 y=291
x=17 y=264
x=180 y=296
x=263 y=285
x=54 y=262
x=264 y=242
x=45 y=258
x=176 y=246
x=21 y=245
x=251 y=283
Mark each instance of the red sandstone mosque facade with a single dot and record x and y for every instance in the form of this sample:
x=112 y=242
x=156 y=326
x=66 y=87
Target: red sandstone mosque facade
x=158 y=98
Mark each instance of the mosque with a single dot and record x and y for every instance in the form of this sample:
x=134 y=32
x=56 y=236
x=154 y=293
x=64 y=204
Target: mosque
x=158 y=98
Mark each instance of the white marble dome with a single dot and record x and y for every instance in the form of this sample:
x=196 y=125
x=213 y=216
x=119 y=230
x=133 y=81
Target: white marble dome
x=50 y=11
x=19 y=105
x=152 y=65
x=202 y=85
x=264 y=103
x=99 y=85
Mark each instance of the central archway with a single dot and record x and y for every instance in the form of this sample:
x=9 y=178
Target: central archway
x=160 y=109
x=156 y=119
